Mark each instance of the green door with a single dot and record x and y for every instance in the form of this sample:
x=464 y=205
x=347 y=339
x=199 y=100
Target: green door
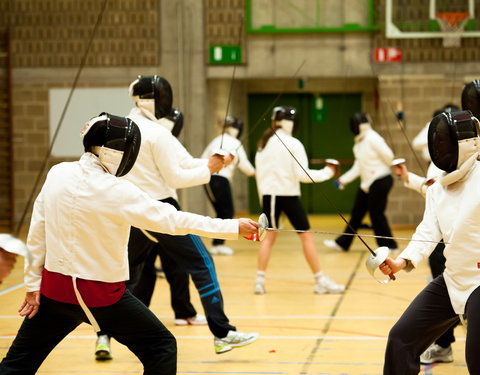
x=323 y=128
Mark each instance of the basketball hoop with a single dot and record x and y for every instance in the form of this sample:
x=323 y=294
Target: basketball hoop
x=454 y=24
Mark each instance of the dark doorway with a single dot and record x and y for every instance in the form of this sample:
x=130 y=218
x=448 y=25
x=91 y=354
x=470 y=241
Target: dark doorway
x=323 y=128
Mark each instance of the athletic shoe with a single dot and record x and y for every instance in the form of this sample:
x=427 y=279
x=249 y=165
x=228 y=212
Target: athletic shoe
x=435 y=354
x=259 y=286
x=324 y=285
x=102 y=350
x=332 y=244
x=234 y=339
x=197 y=320
x=221 y=250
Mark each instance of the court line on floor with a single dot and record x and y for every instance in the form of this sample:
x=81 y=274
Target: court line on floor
x=326 y=328
x=273 y=317
x=11 y=289
x=262 y=337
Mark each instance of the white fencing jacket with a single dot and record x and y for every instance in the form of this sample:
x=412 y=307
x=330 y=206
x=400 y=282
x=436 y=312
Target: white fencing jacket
x=234 y=146
x=277 y=171
x=163 y=164
x=81 y=223
x=373 y=158
x=452 y=212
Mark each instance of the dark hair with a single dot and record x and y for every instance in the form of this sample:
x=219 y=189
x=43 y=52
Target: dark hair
x=266 y=136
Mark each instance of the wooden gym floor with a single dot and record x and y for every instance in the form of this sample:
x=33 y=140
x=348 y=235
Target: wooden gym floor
x=301 y=333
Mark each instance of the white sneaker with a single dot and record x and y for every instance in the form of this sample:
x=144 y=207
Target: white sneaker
x=435 y=354
x=332 y=244
x=259 y=286
x=325 y=285
x=197 y=320
x=221 y=250
x=103 y=351
x=234 y=339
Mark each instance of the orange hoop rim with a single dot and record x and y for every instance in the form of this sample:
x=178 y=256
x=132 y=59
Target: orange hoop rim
x=453 y=18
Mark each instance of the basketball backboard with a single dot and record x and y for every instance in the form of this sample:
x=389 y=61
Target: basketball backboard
x=448 y=19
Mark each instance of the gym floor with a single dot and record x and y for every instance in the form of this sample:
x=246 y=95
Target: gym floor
x=301 y=332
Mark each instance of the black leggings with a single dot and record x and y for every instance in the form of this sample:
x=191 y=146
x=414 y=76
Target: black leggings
x=129 y=321
x=374 y=202
x=429 y=316
x=219 y=193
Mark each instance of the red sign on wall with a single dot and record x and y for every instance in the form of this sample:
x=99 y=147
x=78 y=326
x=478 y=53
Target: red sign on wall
x=388 y=54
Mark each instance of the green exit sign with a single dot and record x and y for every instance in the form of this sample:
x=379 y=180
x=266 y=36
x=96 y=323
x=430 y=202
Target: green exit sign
x=225 y=54
x=318 y=109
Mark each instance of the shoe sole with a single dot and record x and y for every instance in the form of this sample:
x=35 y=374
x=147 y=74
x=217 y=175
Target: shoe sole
x=186 y=323
x=227 y=348
x=102 y=355
x=437 y=361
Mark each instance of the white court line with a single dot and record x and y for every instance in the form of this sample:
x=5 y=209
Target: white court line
x=11 y=289
x=286 y=317
x=307 y=317
x=325 y=338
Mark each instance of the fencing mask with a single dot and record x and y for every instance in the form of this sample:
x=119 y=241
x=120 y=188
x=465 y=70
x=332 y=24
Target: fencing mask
x=153 y=95
x=175 y=121
x=233 y=126
x=116 y=141
x=285 y=117
x=452 y=139
x=356 y=120
x=471 y=98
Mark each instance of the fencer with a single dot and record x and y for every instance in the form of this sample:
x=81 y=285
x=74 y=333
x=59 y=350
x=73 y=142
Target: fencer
x=372 y=164
x=278 y=181
x=163 y=165
x=219 y=189
x=78 y=243
x=441 y=350
x=451 y=213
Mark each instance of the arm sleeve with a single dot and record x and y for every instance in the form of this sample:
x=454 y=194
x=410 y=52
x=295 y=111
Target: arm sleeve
x=144 y=212
x=351 y=174
x=417 y=183
x=420 y=142
x=243 y=163
x=303 y=172
x=187 y=161
x=177 y=166
x=384 y=152
x=429 y=230
x=36 y=243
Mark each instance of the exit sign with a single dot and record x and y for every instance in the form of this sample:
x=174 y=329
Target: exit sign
x=225 y=54
x=388 y=54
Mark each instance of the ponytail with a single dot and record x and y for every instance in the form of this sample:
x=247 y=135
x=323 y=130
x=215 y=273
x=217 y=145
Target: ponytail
x=266 y=136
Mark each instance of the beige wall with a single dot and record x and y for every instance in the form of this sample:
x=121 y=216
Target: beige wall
x=171 y=38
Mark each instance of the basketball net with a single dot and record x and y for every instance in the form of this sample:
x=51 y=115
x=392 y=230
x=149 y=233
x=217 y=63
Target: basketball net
x=454 y=24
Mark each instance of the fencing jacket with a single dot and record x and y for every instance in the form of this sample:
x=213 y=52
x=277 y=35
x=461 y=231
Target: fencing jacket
x=277 y=171
x=234 y=146
x=163 y=164
x=373 y=158
x=452 y=213
x=81 y=223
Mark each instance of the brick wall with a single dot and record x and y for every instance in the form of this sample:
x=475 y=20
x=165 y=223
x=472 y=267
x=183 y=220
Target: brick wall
x=224 y=24
x=56 y=32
